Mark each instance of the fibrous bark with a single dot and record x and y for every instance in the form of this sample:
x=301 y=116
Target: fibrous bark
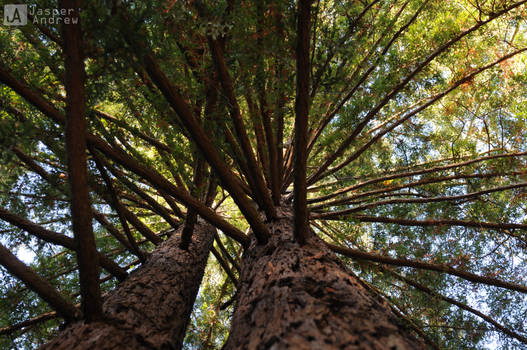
x=150 y=309
x=302 y=297
x=301 y=122
x=75 y=132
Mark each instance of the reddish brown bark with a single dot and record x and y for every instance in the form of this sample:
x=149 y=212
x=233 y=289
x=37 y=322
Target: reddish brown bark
x=302 y=297
x=151 y=309
x=260 y=191
x=119 y=156
x=206 y=146
x=116 y=204
x=301 y=121
x=81 y=218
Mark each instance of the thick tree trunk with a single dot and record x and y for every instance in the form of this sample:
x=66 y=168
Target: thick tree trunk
x=302 y=297
x=151 y=308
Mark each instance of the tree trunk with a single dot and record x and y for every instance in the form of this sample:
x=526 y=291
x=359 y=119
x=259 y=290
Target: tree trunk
x=302 y=297
x=151 y=308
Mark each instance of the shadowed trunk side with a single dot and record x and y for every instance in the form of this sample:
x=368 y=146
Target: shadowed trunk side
x=302 y=297
x=150 y=309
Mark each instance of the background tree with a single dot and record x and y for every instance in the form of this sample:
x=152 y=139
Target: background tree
x=274 y=135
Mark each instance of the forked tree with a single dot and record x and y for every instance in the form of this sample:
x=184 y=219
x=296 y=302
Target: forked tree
x=356 y=168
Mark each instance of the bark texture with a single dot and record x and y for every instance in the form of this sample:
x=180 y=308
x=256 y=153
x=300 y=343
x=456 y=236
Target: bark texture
x=303 y=297
x=151 y=308
x=75 y=132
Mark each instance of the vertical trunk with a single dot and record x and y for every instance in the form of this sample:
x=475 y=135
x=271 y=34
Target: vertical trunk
x=301 y=227
x=150 y=309
x=302 y=297
x=75 y=130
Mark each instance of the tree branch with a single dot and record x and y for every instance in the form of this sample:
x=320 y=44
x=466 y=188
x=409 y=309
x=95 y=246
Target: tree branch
x=471 y=195
x=59 y=239
x=206 y=147
x=224 y=266
x=398 y=87
x=452 y=301
x=421 y=108
x=116 y=204
x=128 y=162
x=358 y=254
x=416 y=173
x=442 y=222
x=39 y=285
x=260 y=191
x=348 y=199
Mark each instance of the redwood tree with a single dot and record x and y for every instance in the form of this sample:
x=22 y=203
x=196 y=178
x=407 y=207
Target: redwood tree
x=357 y=170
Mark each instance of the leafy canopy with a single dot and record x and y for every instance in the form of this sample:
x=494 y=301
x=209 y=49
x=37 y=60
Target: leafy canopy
x=416 y=143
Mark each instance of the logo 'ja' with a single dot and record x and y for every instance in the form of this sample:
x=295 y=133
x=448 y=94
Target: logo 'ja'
x=15 y=15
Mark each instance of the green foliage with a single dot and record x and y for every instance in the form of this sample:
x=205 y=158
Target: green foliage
x=484 y=116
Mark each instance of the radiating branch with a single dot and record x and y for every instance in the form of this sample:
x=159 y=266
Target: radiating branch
x=409 y=174
x=261 y=193
x=361 y=255
x=326 y=119
x=471 y=195
x=116 y=204
x=224 y=266
x=59 y=239
x=461 y=305
x=417 y=110
x=399 y=87
x=156 y=207
x=39 y=285
x=443 y=222
x=207 y=148
x=27 y=324
x=391 y=189
x=149 y=139
x=119 y=156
